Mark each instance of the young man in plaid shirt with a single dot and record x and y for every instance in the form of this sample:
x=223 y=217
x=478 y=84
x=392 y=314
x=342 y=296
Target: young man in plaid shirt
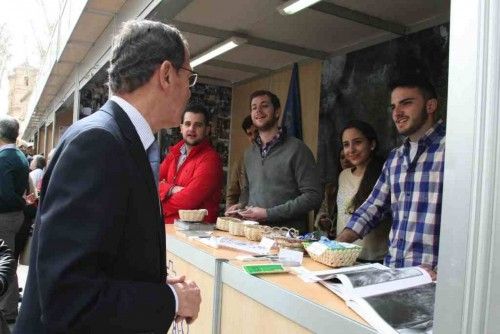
x=411 y=182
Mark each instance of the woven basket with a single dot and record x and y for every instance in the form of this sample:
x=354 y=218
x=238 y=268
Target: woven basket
x=223 y=223
x=255 y=232
x=236 y=228
x=281 y=235
x=293 y=243
x=283 y=231
x=335 y=257
x=192 y=215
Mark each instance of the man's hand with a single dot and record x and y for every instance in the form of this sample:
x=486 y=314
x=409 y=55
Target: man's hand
x=254 y=213
x=176 y=279
x=323 y=222
x=31 y=199
x=189 y=299
x=233 y=210
x=347 y=235
x=429 y=270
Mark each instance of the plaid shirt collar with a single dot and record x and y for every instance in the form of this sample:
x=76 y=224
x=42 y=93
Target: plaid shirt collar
x=434 y=134
x=266 y=148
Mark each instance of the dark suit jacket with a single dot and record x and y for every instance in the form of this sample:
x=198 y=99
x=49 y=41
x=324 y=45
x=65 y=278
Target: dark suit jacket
x=98 y=256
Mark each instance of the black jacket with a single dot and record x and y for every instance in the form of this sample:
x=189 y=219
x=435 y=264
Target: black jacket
x=7 y=266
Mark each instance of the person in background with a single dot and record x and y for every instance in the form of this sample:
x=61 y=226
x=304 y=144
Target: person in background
x=411 y=182
x=360 y=144
x=237 y=179
x=98 y=261
x=327 y=215
x=191 y=173
x=283 y=183
x=7 y=271
x=37 y=168
x=13 y=184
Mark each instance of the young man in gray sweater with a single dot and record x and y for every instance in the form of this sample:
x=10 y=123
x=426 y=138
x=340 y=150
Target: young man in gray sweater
x=283 y=181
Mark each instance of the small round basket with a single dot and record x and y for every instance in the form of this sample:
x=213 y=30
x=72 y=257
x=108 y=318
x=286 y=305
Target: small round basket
x=282 y=231
x=255 y=232
x=334 y=257
x=223 y=223
x=285 y=237
x=238 y=228
x=291 y=243
x=192 y=215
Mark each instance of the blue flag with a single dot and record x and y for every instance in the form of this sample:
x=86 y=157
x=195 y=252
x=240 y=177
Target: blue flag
x=292 y=118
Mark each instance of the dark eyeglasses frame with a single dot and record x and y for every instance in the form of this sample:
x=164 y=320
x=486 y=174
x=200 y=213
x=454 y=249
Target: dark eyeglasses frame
x=193 y=77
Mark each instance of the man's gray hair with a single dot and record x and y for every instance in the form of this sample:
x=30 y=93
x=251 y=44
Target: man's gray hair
x=139 y=48
x=9 y=129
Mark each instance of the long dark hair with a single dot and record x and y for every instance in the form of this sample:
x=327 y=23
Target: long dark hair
x=373 y=168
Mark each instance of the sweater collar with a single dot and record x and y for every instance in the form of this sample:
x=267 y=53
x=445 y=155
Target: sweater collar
x=176 y=149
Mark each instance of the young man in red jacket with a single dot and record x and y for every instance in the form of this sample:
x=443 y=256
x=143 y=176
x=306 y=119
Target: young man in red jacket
x=191 y=174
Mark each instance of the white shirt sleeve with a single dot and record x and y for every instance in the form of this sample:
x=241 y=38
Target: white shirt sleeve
x=176 y=298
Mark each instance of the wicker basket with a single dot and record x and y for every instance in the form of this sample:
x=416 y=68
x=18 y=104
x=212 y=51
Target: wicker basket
x=293 y=243
x=335 y=257
x=223 y=223
x=255 y=232
x=237 y=228
x=285 y=237
x=283 y=231
x=192 y=215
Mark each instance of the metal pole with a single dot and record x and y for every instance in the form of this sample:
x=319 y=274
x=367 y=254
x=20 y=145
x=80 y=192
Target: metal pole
x=217 y=301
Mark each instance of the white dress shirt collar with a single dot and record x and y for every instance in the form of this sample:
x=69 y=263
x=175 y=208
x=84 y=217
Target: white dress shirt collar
x=140 y=124
x=6 y=146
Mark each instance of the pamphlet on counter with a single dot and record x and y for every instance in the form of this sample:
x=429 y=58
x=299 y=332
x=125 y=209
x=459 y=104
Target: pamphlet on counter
x=391 y=300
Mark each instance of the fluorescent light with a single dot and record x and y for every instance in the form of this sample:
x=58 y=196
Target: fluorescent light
x=294 y=6
x=217 y=50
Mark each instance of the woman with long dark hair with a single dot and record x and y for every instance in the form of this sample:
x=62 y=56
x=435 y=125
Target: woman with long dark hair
x=360 y=143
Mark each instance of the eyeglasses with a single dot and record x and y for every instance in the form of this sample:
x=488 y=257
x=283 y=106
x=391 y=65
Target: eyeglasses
x=193 y=77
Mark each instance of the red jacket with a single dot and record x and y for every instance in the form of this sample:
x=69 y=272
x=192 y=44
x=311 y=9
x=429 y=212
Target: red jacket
x=201 y=177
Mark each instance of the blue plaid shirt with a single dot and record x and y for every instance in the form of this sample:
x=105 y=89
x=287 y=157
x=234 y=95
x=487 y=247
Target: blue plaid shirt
x=413 y=191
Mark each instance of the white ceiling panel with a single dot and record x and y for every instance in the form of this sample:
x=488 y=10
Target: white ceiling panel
x=234 y=15
x=105 y=5
x=92 y=27
x=75 y=52
x=62 y=69
x=311 y=29
x=400 y=11
x=199 y=43
x=260 y=57
x=222 y=73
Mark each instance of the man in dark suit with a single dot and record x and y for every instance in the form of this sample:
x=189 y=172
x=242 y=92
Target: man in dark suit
x=98 y=255
x=13 y=183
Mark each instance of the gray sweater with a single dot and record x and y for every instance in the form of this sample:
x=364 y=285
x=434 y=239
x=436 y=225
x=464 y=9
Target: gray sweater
x=286 y=183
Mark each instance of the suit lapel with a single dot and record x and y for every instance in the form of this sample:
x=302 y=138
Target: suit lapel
x=136 y=147
x=141 y=159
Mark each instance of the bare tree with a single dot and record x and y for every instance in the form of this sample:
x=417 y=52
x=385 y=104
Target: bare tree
x=4 y=48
